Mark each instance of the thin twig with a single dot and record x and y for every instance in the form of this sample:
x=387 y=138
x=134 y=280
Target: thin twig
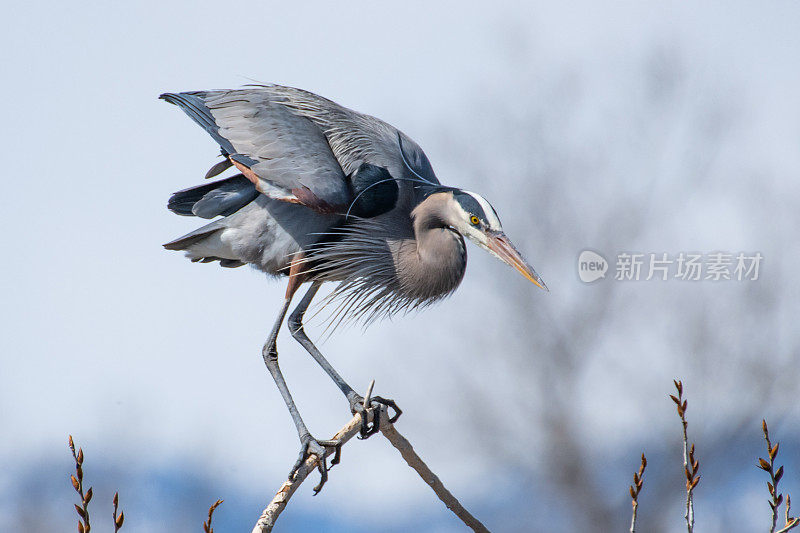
x=791 y=523
x=270 y=515
x=77 y=484
x=633 y=516
x=772 y=486
x=207 y=525
x=635 y=489
x=414 y=461
x=118 y=519
x=777 y=498
x=690 y=464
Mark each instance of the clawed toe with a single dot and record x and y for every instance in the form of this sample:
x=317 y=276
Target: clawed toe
x=310 y=446
x=389 y=404
x=368 y=429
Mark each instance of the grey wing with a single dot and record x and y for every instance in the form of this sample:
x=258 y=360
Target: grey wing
x=285 y=155
x=356 y=138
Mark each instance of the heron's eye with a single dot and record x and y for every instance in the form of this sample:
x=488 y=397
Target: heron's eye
x=474 y=220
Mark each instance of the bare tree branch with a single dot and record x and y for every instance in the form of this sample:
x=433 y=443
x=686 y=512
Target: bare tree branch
x=270 y=515
x=414 y=461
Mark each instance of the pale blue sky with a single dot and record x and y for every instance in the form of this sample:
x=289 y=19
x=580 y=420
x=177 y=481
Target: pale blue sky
x=105 y=335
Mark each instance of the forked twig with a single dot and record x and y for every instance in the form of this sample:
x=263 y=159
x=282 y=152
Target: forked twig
x=270 y=515
x=83 y=509
x=791 y=523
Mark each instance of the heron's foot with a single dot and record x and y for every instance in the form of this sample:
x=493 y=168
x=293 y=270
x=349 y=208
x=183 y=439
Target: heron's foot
x=310 y=446
x=368 y=429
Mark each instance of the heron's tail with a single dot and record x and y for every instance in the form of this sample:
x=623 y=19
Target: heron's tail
x=204 y=245
x=218 y=198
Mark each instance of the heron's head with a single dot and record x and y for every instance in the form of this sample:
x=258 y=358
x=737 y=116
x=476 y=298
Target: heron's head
x=473 y=217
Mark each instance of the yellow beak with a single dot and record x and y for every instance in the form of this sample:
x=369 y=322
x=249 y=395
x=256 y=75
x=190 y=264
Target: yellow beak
x=499 y=244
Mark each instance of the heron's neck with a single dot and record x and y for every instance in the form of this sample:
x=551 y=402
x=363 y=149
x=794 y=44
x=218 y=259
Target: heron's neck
x=436 y=264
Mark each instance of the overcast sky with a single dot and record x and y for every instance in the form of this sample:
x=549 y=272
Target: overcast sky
x=153 y=361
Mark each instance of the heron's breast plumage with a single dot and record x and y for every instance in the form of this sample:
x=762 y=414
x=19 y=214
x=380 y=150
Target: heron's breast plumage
x=383 y=269
x=432 y=266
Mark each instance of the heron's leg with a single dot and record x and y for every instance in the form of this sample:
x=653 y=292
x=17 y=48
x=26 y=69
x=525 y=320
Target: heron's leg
x=308 y=444
x=297 y=331
x=270 y=355
x=356 y=401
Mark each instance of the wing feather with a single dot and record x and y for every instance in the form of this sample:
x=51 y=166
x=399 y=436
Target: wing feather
x=356 y=138
x=286 y=156
x=299 y=147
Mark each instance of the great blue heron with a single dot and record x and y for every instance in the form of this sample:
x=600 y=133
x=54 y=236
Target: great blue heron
x=328 y=194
